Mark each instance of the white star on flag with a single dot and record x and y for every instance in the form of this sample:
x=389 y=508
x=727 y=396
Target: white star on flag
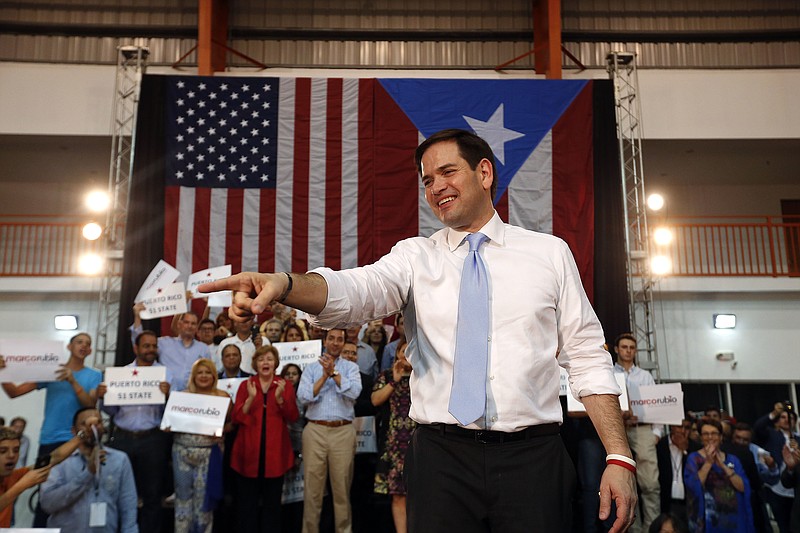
x=494 y=133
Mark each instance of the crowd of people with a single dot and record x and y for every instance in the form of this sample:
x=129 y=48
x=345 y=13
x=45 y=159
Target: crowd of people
x=276 y=423
x=711 y=474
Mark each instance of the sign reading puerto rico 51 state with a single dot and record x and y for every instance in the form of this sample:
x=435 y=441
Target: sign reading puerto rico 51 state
x=658 y=404
x=134 y=385
x=201 y=414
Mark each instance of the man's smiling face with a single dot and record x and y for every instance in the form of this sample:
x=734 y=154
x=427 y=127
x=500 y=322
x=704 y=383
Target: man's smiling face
x=458 y=195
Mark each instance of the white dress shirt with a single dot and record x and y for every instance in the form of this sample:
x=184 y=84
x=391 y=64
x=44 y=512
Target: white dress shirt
x=538 y=309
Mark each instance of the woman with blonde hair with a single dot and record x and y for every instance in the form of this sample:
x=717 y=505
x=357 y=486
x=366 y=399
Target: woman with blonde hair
x=197 y=462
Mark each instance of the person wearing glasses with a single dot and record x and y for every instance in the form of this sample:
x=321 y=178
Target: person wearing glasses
x=717 y=490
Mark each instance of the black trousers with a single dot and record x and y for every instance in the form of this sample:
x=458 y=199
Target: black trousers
x=259 y=504
x=456 y=483
x=149 y=454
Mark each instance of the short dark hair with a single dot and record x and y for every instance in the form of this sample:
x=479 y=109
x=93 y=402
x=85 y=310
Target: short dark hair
x=18 y=419
x=624 y=336
x=470 y=147
x=143 y=333
x=708 y=422
x=207 y=321
x=343 y=330
x=743 y=426
x=78 y=413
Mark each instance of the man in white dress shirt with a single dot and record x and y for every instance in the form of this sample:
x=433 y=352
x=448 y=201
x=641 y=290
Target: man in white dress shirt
x=508 y=470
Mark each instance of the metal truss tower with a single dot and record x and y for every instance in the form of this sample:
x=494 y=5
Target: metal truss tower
x=622 y=71
x=131 y=65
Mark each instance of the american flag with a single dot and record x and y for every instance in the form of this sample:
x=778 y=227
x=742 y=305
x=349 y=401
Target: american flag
x=274 y=174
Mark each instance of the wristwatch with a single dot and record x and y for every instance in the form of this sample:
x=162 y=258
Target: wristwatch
x=334 y=373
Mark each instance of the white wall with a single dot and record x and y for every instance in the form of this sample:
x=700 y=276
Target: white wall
x=766 y=340
x=676 y=104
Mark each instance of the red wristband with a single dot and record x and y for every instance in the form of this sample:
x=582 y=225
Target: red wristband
x=623 y=464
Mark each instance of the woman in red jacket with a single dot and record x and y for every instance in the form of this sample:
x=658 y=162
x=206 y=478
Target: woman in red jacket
x=262 y=451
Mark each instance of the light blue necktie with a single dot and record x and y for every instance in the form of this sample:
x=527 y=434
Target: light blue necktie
x=468 y=395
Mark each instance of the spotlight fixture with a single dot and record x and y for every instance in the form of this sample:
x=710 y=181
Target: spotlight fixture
x=97 y=201
x=90 y=264
x=724 y=321
x=92 y=231
x=655 y=201
x=660 y=265
x=662 y=236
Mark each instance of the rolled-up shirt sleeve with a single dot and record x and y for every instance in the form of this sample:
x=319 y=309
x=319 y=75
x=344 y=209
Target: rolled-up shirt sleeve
x=580 y=336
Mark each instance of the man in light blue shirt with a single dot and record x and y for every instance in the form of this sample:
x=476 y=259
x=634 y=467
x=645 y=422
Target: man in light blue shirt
x=93 y=489
x=179 y=353
x=137 y=433
x=329 y=390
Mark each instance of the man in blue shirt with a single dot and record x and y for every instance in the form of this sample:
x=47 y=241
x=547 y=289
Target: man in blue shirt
x=329 y=390
x=93 y=489
x=137 y=433
x=179 y=353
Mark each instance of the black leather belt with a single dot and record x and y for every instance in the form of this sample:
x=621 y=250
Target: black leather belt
x=119 y=432
x=485 y=436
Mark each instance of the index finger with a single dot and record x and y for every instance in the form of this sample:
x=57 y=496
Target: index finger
x=622 y=516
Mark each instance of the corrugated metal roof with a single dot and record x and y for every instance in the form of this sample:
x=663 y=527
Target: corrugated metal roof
x=410 y=33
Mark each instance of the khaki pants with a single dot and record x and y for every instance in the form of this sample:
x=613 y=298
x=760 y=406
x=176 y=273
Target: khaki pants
x=326 y=451
x=643 y=443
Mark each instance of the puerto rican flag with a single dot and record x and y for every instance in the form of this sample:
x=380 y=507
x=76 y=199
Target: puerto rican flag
x=275 y=174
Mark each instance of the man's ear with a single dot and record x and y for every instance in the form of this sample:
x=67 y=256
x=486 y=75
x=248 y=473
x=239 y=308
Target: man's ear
x=487 y=176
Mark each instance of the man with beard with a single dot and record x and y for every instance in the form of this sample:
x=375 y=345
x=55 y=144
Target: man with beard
x=137 y=433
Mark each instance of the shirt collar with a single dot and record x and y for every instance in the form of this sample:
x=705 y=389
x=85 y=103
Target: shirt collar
x=495 y=229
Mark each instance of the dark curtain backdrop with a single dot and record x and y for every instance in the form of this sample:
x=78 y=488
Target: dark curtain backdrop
x=610 y=280
x=144 y=235
x=145 y=229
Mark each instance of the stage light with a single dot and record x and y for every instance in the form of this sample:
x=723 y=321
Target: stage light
x=655 y=201
x=724 y=321
x=66 y=322
x=97 y=201
x=662 y=236
x=90 y=264
x=661 y=265
x=92 y=231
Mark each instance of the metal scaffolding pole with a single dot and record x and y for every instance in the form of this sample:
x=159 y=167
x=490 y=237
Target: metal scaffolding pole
x=622 y=71
x=131 y=65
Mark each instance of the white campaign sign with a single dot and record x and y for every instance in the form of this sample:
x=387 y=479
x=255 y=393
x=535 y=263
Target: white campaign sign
x=231 y=386
x=206 y=276
x=162 y=275
x=134 y=385
x=201 y=414
x=29 y=360
x=220 y=299
x=366 y=438
x=574 y=406
x=293 y=484
x=658 y=404
x=300 y=353
x=165 y=301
